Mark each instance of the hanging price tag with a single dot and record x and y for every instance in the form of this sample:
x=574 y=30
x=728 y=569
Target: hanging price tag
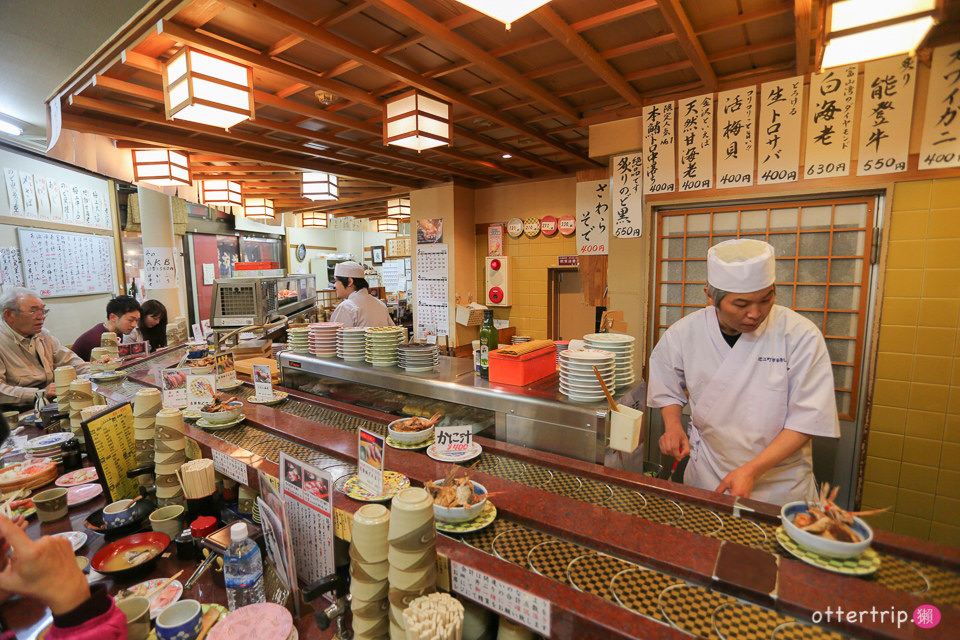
x=262 y=383
x=453 y=440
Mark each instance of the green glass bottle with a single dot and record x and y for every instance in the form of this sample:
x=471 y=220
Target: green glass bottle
x=489 y=341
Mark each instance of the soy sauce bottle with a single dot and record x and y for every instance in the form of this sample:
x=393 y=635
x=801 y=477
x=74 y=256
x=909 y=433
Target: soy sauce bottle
x=71 y=455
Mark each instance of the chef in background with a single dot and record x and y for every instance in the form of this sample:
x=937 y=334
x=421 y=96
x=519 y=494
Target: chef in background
x=758 y=379
x=359 y=308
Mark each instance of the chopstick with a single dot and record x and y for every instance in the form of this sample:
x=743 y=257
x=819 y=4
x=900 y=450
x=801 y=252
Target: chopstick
x=165 y=584
x=606 y=392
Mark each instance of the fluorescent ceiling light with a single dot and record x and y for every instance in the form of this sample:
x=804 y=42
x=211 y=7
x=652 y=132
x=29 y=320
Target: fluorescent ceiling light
x=10 y=128
x=506 y=11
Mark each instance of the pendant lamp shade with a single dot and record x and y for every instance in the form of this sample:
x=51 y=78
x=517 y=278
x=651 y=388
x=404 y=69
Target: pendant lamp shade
x=398 y=208
x=862 y=30
x=224 y=193
x=258 y=208
x=387 y=225
x=319 y=186
x=207 y=89
x=416 y=121
x=505 y=11
x=313 y=220
x=161 y=167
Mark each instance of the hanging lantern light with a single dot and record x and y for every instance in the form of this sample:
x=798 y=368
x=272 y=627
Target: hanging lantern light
x=313 y=220
x=398 y=208
x=319 y=186
x=161 y=167
x=225 y=193
x=258 y=208
x=416 y=121
x=388 y=225
x=207 y=89
x=860 y=30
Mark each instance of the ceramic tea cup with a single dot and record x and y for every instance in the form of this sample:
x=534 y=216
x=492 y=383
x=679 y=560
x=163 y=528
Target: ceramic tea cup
x=137 y=611
x=180 y=621
x=411 y=519
x=369 y=533
x=51 y=504
x=369 y=591
x=119 y=513
x=168 y=520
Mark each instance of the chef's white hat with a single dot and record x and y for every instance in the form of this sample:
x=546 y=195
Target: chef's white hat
x=741 y=266
x=348 y=269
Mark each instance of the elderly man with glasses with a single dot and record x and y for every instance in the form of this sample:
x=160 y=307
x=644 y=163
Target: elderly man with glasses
x=28 y=352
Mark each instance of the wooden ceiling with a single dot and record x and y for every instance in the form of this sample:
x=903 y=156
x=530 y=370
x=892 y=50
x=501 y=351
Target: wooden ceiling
x=530 y=92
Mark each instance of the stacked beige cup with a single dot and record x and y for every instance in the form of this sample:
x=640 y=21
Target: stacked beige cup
x=412 y=553
x=168 y=452
x=146 y=404
x=111 y=342
x=81 y=397
x=62 y=377
x=368 y=572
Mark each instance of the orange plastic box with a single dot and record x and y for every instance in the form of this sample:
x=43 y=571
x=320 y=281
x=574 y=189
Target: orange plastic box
x=525 y=369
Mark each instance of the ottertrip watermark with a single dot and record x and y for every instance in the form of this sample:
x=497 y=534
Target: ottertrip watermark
x=925 y=616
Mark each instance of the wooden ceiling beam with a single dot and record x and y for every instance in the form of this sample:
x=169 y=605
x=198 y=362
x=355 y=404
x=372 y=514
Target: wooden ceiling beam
x=200 y=12
x=413 y=17
x=801 y=25
x=616 y=14
x=745 y=18
x=266 y=11
x=102 y=107
x=559 y=29
x=336 y=16
x=641 y=45
x=674 y=15
x=262 y=168
x=176 y=140
x=777 y=43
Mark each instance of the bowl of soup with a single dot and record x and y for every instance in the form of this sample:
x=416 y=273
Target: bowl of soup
x=130 y=554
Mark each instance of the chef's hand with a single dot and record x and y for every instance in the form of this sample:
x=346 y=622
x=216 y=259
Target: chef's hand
x=44 y=569
x=738 y=482
x=674 y=443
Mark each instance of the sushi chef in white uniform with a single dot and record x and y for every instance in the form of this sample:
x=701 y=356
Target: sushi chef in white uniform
x=758 y=379
x=359 y=308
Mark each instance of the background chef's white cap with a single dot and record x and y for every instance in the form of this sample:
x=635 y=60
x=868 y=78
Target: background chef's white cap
x=348 y=269
x=741 y=266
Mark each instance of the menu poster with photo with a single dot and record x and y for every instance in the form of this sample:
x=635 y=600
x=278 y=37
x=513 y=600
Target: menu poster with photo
x=433 y=272
x=885 y=114
x=940 y=140
x=495 y=240
x=307 y=496
x=173 y=388
x=276 y=531
x=201 y=389
x=226 y=370
x=132 y=349
x=627 y=185
x=429 y=231
x=833 y=95
x=262 y=383
x=370 y=460
x=111 y=445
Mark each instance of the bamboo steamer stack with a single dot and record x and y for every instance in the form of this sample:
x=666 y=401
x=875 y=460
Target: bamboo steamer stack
x=62 y=377
x=168 y=451
x=81 y=397
x=412 y=554
x=146 y=404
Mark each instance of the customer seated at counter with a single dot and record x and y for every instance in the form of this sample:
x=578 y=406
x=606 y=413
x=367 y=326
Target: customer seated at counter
x=758 y=379
x=359 y=308
x=152 y=327
x=123 y=314
x=28 y=352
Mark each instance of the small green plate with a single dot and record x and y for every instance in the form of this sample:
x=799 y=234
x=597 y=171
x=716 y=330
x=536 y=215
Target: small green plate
x=210 y=426
x=392 y=483
x=487 y=516
x=411 y=446
x=863 y=565
x=278 y=396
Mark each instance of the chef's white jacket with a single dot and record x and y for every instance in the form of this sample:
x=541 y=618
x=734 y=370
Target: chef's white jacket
x=742 y=397
x=361 y=309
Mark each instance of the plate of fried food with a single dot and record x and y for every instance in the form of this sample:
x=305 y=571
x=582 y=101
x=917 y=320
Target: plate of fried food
x=413 y=430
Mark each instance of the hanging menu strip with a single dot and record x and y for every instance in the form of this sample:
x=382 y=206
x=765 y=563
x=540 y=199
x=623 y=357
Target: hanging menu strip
x=516 y=604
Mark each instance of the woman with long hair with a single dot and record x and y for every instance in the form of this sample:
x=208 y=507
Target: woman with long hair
x=153 y=325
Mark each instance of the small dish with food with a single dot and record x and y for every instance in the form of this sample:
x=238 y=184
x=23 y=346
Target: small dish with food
x=220 y=412
x=824 y=528
x=413 y=430
x=457 y=500
x=130 y=554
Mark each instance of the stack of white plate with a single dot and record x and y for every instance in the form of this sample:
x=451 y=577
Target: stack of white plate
x=561 y=345
x=621 y=345
x=418 y=356
x=382 y=343
x=323 y=339
x=298 y=339
x=352 y=343
x=47 y=446
x=519 y=339
x=577 y=378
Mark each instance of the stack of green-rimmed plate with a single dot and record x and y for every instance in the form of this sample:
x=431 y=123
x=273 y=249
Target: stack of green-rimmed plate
x=382 y=343
x=352 y=343
x=418 y=357
x=298 y=339
x=621 y=345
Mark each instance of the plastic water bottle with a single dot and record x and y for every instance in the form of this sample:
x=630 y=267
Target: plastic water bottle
x=242 y=569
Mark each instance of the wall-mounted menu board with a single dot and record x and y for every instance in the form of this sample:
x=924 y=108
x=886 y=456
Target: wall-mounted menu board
x=66 y=264
x=110 y=442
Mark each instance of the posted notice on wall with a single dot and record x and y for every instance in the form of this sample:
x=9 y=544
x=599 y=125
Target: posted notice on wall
x=593 y=218
x=778 y=135
x=307 y=499
x=370 y=457
x=433 y=290
x=885 y=114
x=159 y=268
x=627 y=186
x=262 y=383
x=940 y=140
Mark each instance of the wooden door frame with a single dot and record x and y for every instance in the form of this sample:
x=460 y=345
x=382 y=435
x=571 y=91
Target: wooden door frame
x=553 y=293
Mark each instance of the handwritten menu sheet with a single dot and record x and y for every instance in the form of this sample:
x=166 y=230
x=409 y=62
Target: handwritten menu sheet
x=736 y=112
x=885 y=114
x=159 y=268
x=66 y=264
x=309 y=509
x=433 y=273
x=778 y=136
x=34 y=196
x=659 y=148
x=507 y=600
x=110 y=442
x=833 y=95
x=695 y=142
x=940 y=140
x=11 y=267
x=627 y=185
x=593 y=218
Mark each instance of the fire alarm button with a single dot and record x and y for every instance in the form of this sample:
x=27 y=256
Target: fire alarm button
x=496 y=295
x=495 y=265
